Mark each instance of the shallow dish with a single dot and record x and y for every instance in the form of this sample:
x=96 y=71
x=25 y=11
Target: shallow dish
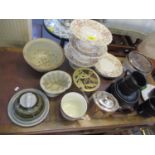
x=73 y=106
x=91 y=31
x=55 y=82
x=43 y=54
x=109 y=66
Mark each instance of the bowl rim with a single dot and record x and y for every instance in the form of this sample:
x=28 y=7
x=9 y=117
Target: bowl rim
x=85 y=102
x=29 y=43
x=50 y=73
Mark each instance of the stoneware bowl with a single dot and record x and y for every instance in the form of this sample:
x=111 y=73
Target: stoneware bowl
x=55 y=82
x=73 y=106
x=43 y=54
x=91 y=31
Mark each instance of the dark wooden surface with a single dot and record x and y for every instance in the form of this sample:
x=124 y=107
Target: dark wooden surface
x=15 y=72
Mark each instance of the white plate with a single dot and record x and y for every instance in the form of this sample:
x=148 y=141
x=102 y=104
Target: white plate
x=32 y=122
x=109 y=66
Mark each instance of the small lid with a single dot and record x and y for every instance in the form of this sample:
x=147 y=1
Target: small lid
x=106 y=101
x=28 y=100
x=140 y=62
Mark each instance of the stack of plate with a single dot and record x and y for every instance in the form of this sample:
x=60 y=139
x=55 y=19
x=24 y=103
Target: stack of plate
x=28 y=107
x=87 y=44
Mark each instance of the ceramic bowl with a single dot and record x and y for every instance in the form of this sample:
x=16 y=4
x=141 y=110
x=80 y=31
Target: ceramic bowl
x=109 y=66
x=91 y=31
x=43 y=54
x=73 y=106
x=55 y=82
x=29 y=105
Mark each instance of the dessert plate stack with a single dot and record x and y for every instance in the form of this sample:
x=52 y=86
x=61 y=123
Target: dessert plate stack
x=87 y=43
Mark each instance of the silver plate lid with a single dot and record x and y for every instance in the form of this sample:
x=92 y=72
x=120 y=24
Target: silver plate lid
x=105 y=101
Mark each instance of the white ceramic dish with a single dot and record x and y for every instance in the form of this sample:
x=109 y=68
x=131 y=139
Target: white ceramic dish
x=109 y=66
x=43 y=54
x=91 y=31
x=73 y=106
x=55 y=82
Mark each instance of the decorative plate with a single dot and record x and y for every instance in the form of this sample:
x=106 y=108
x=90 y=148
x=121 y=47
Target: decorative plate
x=58 y=27
x=29 y=121
x=86 y=79
x=92 y=31
x=109 y=66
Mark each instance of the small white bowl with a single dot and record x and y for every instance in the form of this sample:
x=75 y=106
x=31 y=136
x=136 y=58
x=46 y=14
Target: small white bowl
x=55 y=82
x=73 y=106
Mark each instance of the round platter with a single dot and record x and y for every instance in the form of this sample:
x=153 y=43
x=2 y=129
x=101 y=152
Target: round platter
x=27 y=122
x=55 y=27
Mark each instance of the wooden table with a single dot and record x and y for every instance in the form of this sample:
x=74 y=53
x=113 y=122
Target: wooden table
x=15 y=72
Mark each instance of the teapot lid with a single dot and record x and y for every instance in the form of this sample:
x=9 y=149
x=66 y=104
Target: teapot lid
x=105 y=101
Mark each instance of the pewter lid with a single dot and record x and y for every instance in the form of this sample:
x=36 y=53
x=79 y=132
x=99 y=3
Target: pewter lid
x=106 y=101
x=140 y=62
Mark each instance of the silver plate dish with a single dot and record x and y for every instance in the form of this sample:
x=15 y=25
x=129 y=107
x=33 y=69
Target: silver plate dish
x=56 y=27
x=27 y=122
